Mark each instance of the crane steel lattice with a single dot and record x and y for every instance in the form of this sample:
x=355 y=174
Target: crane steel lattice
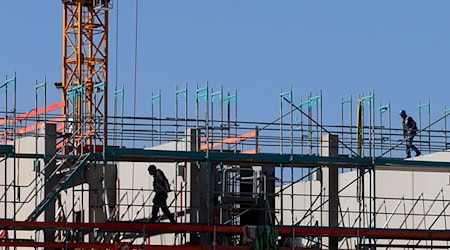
x=85 y=68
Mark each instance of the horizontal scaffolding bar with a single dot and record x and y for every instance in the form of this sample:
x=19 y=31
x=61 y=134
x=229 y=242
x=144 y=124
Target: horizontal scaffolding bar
x=260 y=159
x=410 y=234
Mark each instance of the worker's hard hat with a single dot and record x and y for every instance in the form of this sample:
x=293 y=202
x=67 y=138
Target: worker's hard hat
x=402 y=112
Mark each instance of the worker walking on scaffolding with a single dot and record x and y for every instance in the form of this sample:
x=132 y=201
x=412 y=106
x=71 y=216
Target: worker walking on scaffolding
x=161 y=187
x=409 y=131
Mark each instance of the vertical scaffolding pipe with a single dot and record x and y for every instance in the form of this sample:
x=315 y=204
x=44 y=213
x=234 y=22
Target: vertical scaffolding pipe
x=206 y=181
x=186 y=139
x=446 y=112
x=320 y=136
x=115 y=112
x=97 y=118
x=390 y=129
x=427 y=106
x=302 y=103
x=4 y=85
x=37 y=87
x=385 y=109
x=77 y=94
x=121 y=93
x=228 y=103
x=208 y=165
x=100 y=88
x=298 y=127
x=157 y=98
x=291 y=131
x=221 y=117
x=320 y=117
x=235 y=114
x=219 y=95
x=227 y=100
x=291 y=145
x=94 y=119
x=6 y=138
x=186 y=118
x=370 y=99
x=204 y=93
x=281 y=152
x=372 y=124
x=177 y=94
x=310 y=132
x=197 y=108
x=360 y=143
x=343 y=103
x=307 y=103
x=160 y=116
x=36 y=160
x=14 y=81
x=117 y=93
x=282 y=96
x=291 y=123
x=317 y=101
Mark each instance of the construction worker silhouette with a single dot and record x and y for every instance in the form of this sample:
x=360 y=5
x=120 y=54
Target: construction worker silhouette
x=161 y=187
x=409 y=131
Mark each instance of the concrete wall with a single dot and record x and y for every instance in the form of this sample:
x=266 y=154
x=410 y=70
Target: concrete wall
x=424 y=195
x=21 y=173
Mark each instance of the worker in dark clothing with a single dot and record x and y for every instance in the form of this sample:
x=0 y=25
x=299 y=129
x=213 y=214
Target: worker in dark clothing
x=161 y=187
x=409 y=131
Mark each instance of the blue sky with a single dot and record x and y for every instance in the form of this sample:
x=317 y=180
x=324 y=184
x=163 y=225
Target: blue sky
x=400 y=49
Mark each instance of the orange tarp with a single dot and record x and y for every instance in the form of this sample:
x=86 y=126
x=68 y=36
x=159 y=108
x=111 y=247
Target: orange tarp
x=35 y=112
x=251 y=151
x=239 y=138
x=31 y=128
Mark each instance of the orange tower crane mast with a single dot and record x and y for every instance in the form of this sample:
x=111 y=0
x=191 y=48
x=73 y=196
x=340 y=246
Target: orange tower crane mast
x=85 y=69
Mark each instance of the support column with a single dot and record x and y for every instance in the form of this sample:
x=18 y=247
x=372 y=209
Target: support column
x=269 y=196
x=99 y=198
x=330 y=148
x=193 y=137
x=49 y=151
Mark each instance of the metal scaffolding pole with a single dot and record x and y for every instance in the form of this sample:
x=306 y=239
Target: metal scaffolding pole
x=283 y=95
x=383 y=110
x=121 y=93
x=158 y=99
x=219 y=95
x=428 y=109
x=445 y=133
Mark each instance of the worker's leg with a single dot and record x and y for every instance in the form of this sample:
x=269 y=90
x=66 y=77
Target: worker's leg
x=158 y=202
x=408 y=147
x=163 y=204
x=155 y=211
x=411 y=138
x=166 y=211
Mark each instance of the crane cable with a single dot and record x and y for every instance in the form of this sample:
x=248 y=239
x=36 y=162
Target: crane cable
x=135 y=68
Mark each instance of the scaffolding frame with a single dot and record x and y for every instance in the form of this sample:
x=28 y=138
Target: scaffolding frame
x=219 y=130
